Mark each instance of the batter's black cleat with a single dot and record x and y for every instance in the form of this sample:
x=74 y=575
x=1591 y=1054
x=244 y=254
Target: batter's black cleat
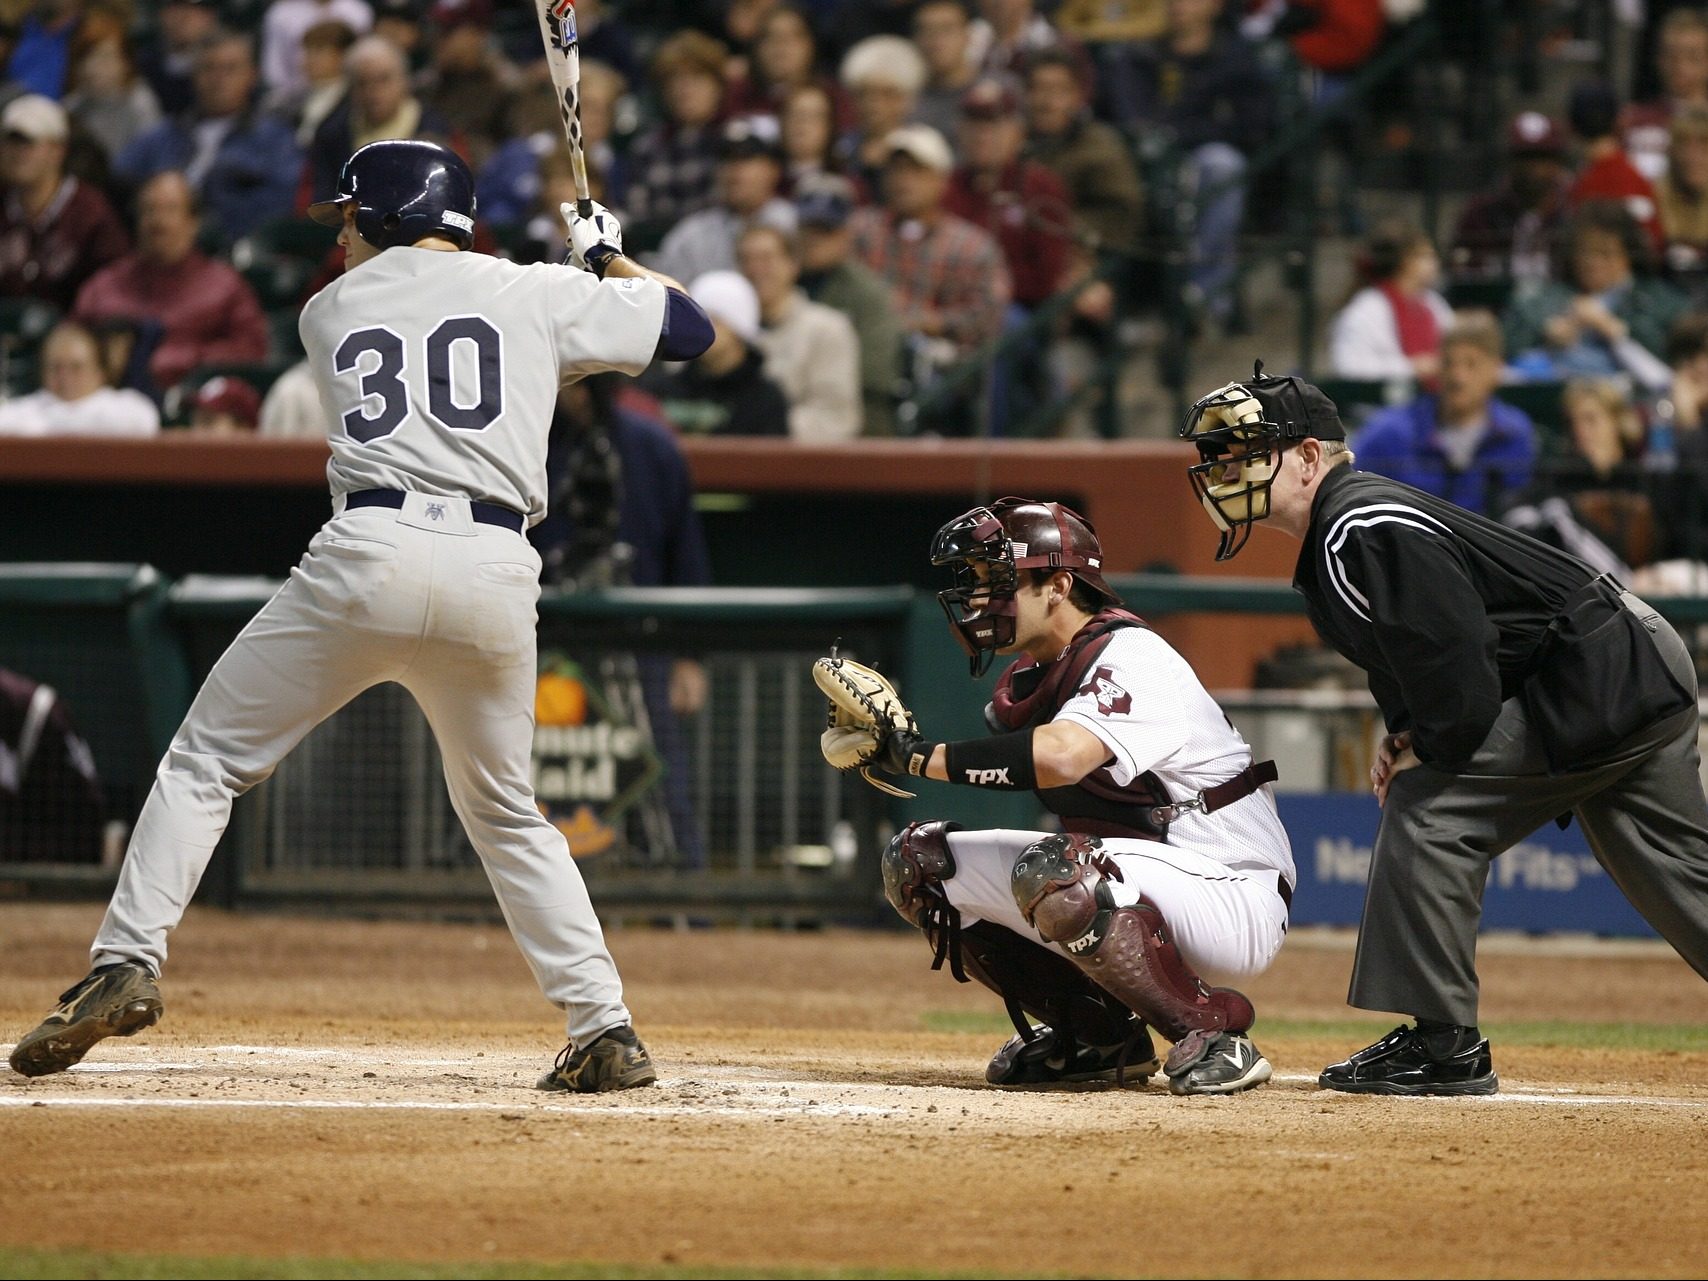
x=615 y=1060
x=1044 y=1061
x=115 y=1000
x=1230 y=1063
x=1404 y=1062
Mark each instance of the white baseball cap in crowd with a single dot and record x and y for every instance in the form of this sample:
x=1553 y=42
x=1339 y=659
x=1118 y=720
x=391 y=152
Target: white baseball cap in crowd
x=728 y=297
x=921 y=144
x=37 y=118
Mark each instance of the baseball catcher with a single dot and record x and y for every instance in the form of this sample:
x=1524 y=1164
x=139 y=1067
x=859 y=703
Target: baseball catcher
x=1171 y=863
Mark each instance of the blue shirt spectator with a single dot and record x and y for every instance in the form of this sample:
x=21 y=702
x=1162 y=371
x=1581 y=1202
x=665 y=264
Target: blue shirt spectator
x=1461 y=444
x=42 y=57
x=243 y=164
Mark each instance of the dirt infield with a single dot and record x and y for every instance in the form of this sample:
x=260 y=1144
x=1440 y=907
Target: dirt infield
x=360 y=1090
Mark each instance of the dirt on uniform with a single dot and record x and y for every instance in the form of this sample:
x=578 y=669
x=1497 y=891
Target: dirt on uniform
x=357 y=1089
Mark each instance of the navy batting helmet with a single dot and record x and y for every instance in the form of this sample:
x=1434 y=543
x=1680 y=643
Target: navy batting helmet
x=403 y=190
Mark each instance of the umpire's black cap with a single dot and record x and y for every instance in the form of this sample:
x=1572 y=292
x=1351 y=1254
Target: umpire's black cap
x=1298 y=408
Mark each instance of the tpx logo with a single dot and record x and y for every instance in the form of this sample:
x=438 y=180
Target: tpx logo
x=986 y=777
x=1112 y=700
x=1085 y=942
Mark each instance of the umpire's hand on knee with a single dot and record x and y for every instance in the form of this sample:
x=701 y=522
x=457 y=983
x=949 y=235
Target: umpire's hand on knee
x=1393 y=756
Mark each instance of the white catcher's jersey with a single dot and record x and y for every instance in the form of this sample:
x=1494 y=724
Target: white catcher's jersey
x=439 y=371
x=1147 y=704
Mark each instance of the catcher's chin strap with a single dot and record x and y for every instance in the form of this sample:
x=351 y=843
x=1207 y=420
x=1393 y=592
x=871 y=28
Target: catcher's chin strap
x=941 y=922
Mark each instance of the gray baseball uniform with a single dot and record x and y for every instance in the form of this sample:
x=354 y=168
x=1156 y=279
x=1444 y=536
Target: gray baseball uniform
x=439 y=372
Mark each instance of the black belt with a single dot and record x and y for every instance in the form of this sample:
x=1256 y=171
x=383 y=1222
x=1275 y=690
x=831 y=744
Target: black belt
x=485 y=513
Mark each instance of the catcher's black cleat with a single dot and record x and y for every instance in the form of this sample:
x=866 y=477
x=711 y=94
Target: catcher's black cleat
x=1044 y=1061
x=1230 y=1063
x=1402 y=1062
x=115 y=1000
x=615 y=1060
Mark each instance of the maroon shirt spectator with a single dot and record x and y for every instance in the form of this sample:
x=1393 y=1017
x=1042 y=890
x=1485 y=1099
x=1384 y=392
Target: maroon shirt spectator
x=785 y=58
x=1336 y=36
x=207 y=313
x=947 y=276
x=1607 y=172
x=1019 y=202
x=55 y=231
x=1510 y=231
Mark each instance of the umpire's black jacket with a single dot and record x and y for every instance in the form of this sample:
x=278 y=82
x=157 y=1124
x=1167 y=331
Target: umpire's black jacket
x=1451 y=614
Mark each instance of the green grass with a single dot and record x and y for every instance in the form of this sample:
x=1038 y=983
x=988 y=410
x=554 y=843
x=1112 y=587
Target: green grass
x=31 y=1265
x=1653 y=1037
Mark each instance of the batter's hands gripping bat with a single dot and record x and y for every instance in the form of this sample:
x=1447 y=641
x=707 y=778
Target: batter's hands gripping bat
x=563 y=59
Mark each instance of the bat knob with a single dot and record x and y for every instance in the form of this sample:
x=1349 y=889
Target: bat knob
x=584 y=208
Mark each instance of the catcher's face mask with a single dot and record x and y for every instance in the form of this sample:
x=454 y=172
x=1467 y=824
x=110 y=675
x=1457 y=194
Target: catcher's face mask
x=1240 y=452
x=980 y=606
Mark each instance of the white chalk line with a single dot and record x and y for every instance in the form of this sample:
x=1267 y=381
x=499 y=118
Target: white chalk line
x=517 y=1108
x=1542 y=1095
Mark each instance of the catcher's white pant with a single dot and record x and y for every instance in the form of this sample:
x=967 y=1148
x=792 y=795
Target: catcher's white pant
x=1227 y=922
x=443 y=605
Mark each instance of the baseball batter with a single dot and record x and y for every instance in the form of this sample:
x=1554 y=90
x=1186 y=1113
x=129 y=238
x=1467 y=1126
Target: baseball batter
x=1173 y=862
x=439 y=369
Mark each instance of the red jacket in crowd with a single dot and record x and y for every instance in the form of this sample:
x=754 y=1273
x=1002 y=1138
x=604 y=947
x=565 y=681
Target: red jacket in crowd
x=1030 y=213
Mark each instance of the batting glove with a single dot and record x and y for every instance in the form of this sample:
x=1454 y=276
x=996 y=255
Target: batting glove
x=600 y=230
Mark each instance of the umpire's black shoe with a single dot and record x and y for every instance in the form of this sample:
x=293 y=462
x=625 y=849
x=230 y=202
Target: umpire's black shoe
x=1402 y=1063
x=1044 y=1060
x=614 y=1060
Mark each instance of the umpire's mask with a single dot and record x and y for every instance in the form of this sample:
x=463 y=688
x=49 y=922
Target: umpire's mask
x=1241 y=431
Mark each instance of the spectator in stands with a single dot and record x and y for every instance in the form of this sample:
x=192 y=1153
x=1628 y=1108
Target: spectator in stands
x=241 y=162
x=1681 y=58
x=1333 y=37
x=469 y=84
x=1509 y=232
x=168 y=61
x=292 y=409
x=108 y=98
x=785 y=59
x=283 y=70
x=943 y=30
x=55 y=230
x=725 y=391
x=885 y=75
x=1090 y=157
x=511 y=184
x=673 y=168
x=74 y=398
x=807 y=134
x=41 y=60
x=1608 y=316
x=9 y=88
x=1461 y=444
x=402 y=23
x=1006 y=32
x=1607 y=172
x=831 y=275
x=602 y=452
x=225 y=407
x=750 y=172
x=204 y=310
x=1685 y=408
x=949 y=283
x=1392 y=327
x=1682 y=191
x=325 y=45
x=810 y=350
x=1202 y=89
x=1592 y=502
x=380 y=105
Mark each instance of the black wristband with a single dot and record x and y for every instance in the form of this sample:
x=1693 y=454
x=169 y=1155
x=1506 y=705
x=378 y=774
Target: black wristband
x=598 y=259
x=1003 y=762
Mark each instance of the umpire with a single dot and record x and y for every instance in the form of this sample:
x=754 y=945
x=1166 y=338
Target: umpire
x=1518 y=686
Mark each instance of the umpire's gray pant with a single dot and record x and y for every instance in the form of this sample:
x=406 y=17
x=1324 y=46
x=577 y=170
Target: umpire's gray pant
x=1643 y=811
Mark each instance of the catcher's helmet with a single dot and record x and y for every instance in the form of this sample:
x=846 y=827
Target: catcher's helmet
x=403 y=190
x=1241 y=430
x=1010 y=535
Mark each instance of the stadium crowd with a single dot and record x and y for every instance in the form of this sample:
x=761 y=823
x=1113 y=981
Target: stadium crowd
x=864 y=194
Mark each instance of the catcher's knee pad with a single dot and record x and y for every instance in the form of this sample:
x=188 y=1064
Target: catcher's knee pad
x=915 y=865
x=1062 y=887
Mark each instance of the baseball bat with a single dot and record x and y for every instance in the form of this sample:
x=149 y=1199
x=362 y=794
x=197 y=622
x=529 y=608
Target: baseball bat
x=563 y=59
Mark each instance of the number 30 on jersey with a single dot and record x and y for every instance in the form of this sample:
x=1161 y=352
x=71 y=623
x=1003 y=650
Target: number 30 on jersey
x=385 y=396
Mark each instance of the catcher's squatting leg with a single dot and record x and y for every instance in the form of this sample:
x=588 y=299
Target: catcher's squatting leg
x=1029 y=978
x=1062 y=885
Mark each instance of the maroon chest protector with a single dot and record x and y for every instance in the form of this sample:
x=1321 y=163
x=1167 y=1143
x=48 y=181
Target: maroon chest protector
x=1030 y=693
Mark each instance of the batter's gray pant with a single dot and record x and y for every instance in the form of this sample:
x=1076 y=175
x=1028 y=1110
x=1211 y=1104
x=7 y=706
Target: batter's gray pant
x=444 y=606
x=1643 y=811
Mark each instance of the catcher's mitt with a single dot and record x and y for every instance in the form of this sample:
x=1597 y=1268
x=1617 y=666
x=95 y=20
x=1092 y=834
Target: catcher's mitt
x=865 y=711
